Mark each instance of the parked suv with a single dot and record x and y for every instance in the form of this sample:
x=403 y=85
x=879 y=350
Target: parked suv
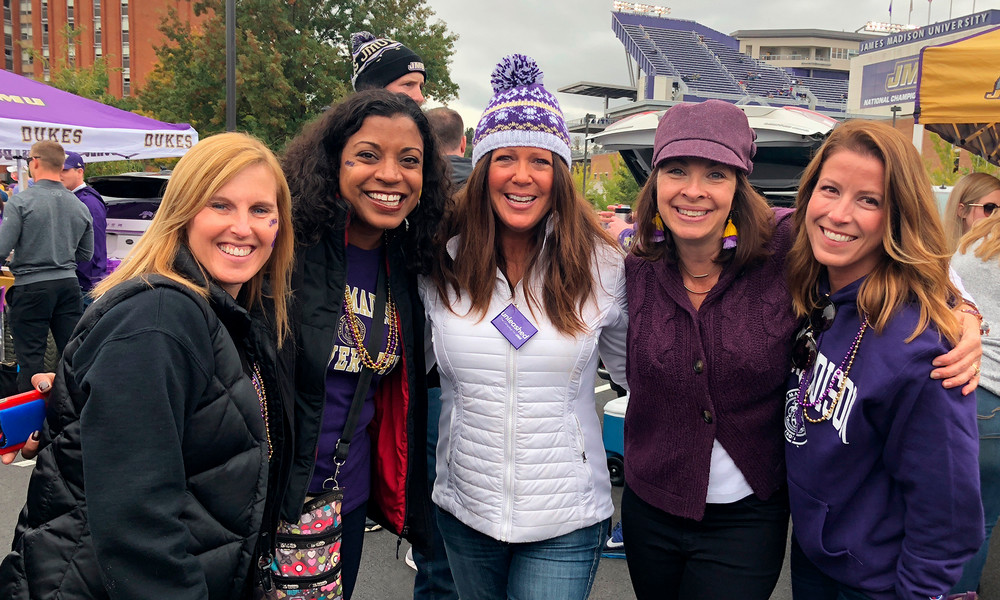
x=787 y=137
x=132 y=200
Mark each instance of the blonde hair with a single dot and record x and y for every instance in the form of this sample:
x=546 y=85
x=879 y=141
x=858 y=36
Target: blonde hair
x=210 y=164
x=987 y=230
x=969 y=189
x=915 y=257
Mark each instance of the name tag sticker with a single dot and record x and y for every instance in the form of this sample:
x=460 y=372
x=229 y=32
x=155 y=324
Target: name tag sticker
x=514 y=326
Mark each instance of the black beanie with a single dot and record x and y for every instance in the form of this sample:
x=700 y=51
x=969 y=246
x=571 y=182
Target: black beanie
x=380 y=61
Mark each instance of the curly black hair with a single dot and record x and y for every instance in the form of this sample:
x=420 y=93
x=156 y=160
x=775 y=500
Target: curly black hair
x=312 y=165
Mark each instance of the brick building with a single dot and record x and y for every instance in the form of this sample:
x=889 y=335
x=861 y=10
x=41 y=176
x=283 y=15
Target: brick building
x=125 y=32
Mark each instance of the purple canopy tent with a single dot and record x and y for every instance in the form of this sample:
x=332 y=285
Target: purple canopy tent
x=31 y=111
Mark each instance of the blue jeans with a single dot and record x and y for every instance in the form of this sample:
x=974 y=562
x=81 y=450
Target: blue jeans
x=809 y=583
x=988 y=411
x=433 y=580
x=561 y=568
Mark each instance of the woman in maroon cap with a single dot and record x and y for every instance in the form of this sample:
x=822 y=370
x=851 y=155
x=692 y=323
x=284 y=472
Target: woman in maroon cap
x=705 y=509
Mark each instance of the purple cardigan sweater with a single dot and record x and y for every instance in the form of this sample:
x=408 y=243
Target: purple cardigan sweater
x=699 y=375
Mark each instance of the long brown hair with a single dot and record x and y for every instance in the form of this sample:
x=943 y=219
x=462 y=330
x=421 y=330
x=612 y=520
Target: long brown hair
x=206 y=167
x=751 y=215
x=914 y=261
x=566 y=271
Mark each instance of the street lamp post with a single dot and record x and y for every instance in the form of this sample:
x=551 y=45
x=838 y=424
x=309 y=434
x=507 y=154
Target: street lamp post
x=586 y=135
x=230 y=65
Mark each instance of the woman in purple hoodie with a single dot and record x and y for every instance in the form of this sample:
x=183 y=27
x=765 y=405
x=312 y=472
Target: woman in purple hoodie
x=883 y=479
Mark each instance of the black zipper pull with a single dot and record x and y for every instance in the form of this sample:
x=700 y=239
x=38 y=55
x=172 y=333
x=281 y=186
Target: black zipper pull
x=264 y=572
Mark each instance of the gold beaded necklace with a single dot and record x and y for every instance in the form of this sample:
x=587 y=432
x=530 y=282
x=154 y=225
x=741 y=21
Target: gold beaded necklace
x=392 y=342
x=258 y=386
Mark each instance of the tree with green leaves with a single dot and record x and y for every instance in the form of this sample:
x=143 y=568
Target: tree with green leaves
x=945 y=172
x=293 y=60
x=593 y=195
x=469 y=134
x=621 y=187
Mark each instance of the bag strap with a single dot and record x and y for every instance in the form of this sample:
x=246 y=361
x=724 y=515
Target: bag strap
x=374 y=346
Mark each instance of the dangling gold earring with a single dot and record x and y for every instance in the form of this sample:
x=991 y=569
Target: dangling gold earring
x=658 y=228
x=729 y=235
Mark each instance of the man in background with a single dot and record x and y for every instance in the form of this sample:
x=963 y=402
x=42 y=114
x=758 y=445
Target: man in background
x=88 y=272
x=447 y=125
x=383 y=63
x=50 y=231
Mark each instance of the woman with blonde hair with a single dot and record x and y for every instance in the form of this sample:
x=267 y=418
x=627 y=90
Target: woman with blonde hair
x=882 y=472
x=974 y=197
x=527 y=293
x=972 y=218
x=167 y=415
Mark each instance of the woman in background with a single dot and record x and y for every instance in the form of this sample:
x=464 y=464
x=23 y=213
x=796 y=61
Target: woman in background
x=973 y=227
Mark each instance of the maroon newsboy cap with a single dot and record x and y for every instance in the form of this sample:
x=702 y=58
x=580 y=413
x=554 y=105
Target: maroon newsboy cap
x=713 y=130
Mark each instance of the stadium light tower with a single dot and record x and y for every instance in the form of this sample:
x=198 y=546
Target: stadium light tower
x=586 y=135
x=635 y=7
x=877 y=27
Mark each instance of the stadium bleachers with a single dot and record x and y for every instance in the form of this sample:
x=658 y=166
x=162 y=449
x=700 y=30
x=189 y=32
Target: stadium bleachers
x=710 y=65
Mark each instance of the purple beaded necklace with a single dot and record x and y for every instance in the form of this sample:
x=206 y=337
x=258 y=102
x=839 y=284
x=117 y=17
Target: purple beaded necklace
x=841 y=373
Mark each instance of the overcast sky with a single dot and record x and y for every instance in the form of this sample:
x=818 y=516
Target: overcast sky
x=572 y=39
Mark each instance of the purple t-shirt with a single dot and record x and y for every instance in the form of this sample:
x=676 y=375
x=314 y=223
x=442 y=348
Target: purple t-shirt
x=342 y=381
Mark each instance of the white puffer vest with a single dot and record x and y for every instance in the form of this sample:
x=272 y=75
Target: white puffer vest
x=520 y=456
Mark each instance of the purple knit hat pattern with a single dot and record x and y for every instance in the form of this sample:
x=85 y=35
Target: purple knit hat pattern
x=521 y=113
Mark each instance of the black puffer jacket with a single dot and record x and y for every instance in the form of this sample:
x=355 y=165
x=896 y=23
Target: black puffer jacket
x=153 y=472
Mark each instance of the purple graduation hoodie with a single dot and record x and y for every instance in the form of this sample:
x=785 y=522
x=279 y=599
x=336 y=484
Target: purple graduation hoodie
x=885 y=493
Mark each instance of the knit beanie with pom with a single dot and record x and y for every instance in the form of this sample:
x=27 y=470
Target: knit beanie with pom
x=521 y=113
x=380 y=61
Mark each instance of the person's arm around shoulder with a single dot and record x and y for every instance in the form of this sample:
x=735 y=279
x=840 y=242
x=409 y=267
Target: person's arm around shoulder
x=143 y=379
x=960 y=366
x=614 y=332
x=931 y=451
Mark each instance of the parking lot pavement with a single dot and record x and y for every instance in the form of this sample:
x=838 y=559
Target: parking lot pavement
x=385 y=576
